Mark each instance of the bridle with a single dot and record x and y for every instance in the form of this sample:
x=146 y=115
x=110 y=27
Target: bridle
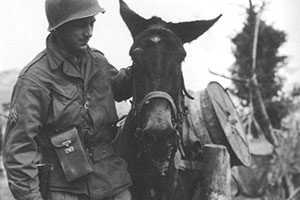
x=159 y=95
x=137 y=108
x=176 y=116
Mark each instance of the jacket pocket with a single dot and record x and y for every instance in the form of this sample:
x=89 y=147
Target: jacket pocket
x=66 y=107
x=64 y=93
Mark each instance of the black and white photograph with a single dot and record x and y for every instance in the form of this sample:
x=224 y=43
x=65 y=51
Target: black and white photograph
x=150 y=100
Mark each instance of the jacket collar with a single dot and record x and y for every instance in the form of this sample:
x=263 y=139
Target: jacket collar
x=59 y=58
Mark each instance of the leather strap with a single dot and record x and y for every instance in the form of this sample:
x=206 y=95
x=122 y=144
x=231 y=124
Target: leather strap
x=190 y=165
x=157 y=94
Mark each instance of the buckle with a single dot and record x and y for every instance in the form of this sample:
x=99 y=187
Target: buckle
x=67 y=143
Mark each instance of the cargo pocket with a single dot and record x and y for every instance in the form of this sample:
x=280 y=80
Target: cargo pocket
x=66 y=107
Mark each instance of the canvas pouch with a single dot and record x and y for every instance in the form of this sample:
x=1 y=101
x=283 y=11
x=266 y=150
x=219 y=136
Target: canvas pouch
x=72 y=156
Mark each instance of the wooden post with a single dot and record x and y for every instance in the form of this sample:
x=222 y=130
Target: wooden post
x=216 y=173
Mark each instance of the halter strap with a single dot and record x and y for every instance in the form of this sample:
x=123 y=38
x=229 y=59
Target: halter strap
x=157 y=94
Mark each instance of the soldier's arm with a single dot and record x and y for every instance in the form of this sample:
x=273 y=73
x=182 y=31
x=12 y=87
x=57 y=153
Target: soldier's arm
x=20 y=155
x=121 y=80
x=122 y=84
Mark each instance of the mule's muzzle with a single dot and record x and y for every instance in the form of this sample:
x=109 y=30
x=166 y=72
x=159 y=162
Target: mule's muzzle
x=161 y=146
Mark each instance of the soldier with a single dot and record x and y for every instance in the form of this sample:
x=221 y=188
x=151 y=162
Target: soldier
x=60 y=132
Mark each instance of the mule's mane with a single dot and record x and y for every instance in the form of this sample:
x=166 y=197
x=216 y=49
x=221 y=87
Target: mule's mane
x=157 y=25
x=156 y=20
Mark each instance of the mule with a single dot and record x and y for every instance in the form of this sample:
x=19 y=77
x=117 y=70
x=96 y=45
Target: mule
x=150 y=136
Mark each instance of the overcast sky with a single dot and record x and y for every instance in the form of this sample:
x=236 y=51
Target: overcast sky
x=24 y=29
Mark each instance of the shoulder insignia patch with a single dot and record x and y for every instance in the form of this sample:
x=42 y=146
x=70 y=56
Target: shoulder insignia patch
x=13 y=115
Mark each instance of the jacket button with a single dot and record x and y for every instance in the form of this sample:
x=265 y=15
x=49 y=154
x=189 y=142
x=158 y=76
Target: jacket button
x=86 y=105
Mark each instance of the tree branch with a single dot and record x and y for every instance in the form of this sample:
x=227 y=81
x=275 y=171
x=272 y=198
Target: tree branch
x=230 y=78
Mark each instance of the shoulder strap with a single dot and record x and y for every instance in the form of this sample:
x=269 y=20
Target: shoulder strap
x=37 y=58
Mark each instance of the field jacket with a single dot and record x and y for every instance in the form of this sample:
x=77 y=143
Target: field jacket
x=51 y=96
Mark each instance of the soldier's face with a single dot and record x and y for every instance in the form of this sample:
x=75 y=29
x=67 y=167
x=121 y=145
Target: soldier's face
x=75 y=35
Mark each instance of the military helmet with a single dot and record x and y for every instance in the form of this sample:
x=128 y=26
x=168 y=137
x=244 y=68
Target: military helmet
x=59 y=12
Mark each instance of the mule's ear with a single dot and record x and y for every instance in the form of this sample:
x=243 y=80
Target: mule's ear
x=135 y=23
x=189 y=31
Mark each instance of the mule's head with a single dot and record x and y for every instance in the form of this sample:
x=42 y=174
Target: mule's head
x=157 y=54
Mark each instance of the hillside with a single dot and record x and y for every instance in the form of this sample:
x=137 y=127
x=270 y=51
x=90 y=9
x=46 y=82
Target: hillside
x=7 y=82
